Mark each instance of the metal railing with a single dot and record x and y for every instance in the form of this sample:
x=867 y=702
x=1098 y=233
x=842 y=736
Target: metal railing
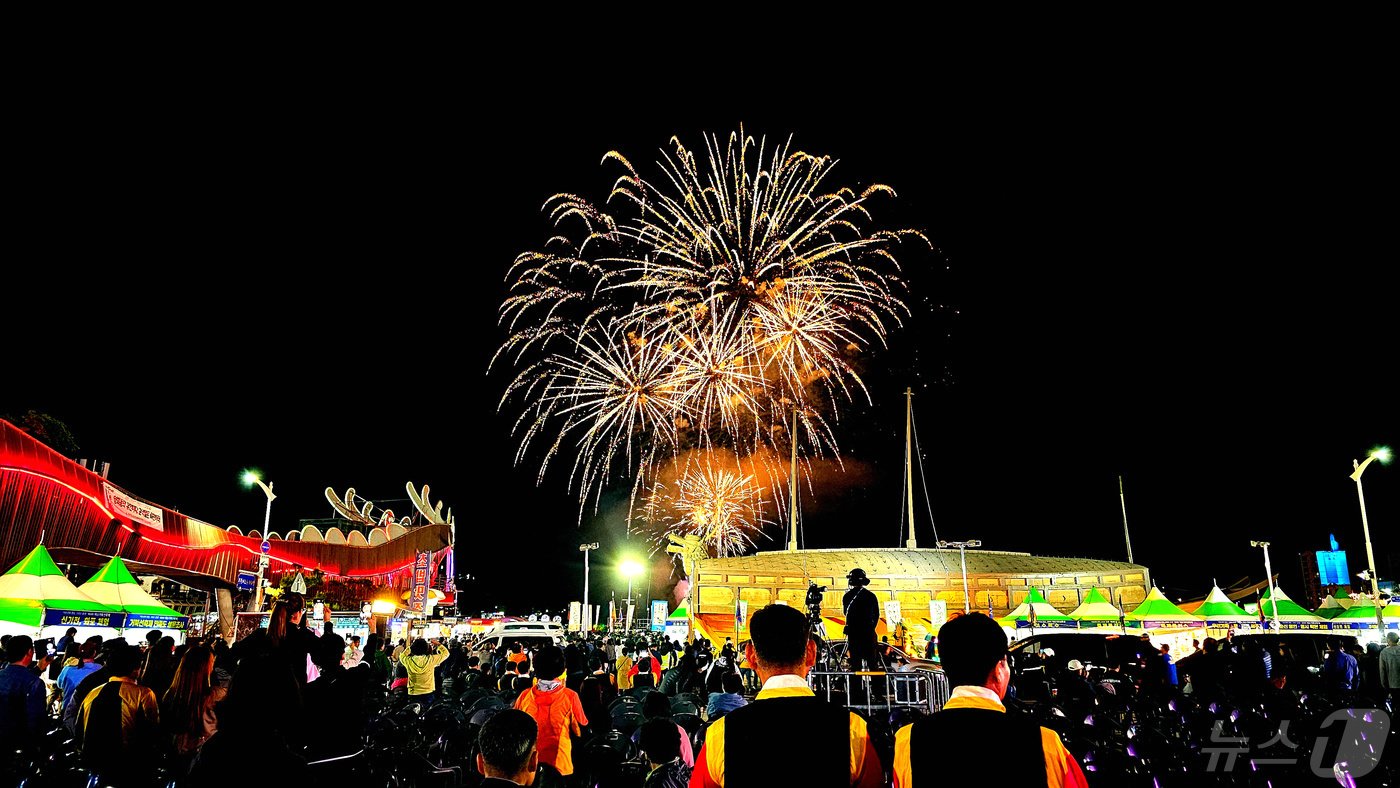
x=879 y=691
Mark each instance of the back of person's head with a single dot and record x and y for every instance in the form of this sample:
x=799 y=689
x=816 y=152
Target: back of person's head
x=549 y=663
x=644 y=665
x=74 y=650
x=779 y=636
x=732 y=683
x=419 y=648
x=166 y=645
x=655 y=705
x=17 y=647
x=506 y=742
x=91 y=646
x=473 y=662
x=153 y=637
x=124 y=661
x=971 y=645
x=516 y=648
x=660 y=740
x=329 y=650
x=1392 y=638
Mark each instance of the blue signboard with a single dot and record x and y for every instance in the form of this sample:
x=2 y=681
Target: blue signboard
x=142 y=621
x=247 y=581
x=659 y=611
x=1332 y=568
x=82 y=618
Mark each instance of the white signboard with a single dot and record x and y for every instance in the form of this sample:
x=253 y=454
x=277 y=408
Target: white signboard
x=138 y=512
x=937 y=613
x=892 y=615
x=575 y=616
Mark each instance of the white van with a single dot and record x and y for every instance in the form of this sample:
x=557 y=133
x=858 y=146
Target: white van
x=530 y=634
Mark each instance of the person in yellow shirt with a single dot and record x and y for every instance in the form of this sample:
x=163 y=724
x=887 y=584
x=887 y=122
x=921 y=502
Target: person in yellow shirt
x=787 y=735
x=973 y=739
x=623 y=670
x=421 y=662
x=119 y=723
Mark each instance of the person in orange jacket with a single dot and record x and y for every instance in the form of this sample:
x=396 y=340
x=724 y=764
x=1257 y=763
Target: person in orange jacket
x=557 y=710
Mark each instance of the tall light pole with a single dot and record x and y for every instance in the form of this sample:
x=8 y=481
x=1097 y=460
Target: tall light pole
x=250 y=478
x=962 y=551
x=630 y=569
x=585 y=549
x=1381 y=453
x=1269 y=571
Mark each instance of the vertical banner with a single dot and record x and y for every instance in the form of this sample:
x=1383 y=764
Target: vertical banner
x=612 y=614
x=631 y=608
x=741 y=618
x=418 y=598
x=659 y=611
x=892 y=614
x=937 y=614
x=451 y=586
x=575 y=616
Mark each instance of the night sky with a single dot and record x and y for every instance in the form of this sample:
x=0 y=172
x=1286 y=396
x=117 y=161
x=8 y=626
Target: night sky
x=1178 y=282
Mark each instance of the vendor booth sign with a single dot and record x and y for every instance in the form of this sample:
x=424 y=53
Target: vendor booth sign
x=82 y=618
x=139 y=621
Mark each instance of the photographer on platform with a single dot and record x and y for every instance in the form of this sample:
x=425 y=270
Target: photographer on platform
x=862 y=611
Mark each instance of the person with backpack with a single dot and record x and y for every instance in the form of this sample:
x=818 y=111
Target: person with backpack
x=119 y=725
x=557 y=710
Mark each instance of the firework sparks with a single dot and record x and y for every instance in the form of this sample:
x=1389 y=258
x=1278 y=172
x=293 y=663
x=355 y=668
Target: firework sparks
x=698 y=310
x=723 y=507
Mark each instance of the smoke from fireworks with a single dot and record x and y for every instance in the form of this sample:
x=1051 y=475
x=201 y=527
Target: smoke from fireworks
x=699 y=310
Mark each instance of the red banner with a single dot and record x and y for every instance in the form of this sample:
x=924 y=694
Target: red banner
x=418 y=599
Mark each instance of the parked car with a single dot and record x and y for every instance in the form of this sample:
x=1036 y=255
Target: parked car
x=530 y=634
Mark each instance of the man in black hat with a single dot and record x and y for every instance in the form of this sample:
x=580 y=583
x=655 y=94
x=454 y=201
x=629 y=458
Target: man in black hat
x=862 y=614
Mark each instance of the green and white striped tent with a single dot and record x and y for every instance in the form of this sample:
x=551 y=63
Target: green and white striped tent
x=34 y=594
x=1219 y=611
x=1291 y=615
x=1362 y=615
x=1158 y=612
x=1330 y=608
x=114 y=585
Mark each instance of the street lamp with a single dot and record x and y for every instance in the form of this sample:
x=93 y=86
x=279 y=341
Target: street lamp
x=962 y=551
x=1381 y=453
x=250 y=478
x=630 y=569
x=1269 y=571
x=587 y=619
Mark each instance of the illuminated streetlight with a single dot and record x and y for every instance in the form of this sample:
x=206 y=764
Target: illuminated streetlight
x=1269 y=572
x=250 y=478
x=1381 y=453
x=962 y=551
x=630 y=569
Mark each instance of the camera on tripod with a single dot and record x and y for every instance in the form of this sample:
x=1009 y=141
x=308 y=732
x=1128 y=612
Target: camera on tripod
x=814 y=596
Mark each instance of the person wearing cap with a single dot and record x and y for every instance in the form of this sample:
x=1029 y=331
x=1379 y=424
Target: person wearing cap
x=1073 y=685
x=862 y=611
x=787 y=735
x=973 y=738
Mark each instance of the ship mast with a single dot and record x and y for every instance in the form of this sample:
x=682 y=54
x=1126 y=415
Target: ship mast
x=792 y=485
x=912 y=543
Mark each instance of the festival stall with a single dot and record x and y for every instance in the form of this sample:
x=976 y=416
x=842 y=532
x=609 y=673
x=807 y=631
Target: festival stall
x=1096 y=612
x=1035 y=613
x=1360 y=620
x=37 y=599
x=1222 y=615
x=1292 y=617
x=114 y=585
x=1332 y=607
x=1167 y=623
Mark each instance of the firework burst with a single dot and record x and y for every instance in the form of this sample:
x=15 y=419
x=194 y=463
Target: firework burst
x=699 y=309
x=723 y=507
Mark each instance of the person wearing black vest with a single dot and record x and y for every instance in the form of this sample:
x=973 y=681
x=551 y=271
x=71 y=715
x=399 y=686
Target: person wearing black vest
x=973 y=738
x=786 y=736
x=862 y=611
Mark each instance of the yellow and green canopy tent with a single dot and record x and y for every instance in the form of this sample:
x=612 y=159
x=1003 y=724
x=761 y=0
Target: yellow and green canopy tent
x=1096 y=612
x=1035 y=613
x=114 y=585
x=35 y=593
x=1218 y=610
x=1158 y=612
